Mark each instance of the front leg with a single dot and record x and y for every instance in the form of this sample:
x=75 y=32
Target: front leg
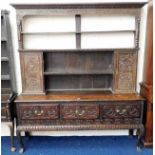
x=130 y=132
x=13 y=149
x=21 y=150
x=140 y=136
x=27 y=134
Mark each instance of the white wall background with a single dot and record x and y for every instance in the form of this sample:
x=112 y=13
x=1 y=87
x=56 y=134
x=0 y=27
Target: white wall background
x=6 y=5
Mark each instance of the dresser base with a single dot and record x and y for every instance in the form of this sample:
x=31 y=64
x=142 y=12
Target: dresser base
x=70 y=112
x=29 y=128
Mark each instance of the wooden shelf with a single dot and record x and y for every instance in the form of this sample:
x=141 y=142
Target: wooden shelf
x=3 y=39
x=46 y=33
x=78 y=73
x=106 y=90
x=78 y=32
x=80 y=5
x=4 y=59
x=5 y=91
x=107 y=31
x=5 y=77
x=80 y=50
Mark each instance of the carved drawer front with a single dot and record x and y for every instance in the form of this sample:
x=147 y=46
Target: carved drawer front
x=36 y=111
x=79 y=111
x=5 y=112
x=118 y=113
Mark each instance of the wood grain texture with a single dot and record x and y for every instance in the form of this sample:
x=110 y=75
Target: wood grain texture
x=38 y=111
x=119 y=110
x=78 y=97
x=79 y=111
x=67 y=70
x=125 y=72
x=60 y=127
x=32 y=73
x=5 y=112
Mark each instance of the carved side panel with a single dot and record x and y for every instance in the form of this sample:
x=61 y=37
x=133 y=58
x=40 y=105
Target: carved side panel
x=125 y=72
x=32 y=73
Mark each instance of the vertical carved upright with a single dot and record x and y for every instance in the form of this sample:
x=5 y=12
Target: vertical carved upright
x=137 y=25
x=125 y=72
x=20 y=29
x=32 y=73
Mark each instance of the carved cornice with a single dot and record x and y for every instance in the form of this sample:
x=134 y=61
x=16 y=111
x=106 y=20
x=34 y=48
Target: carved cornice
x=80 y=5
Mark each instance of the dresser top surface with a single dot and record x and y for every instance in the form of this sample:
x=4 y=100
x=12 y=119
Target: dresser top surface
x=78 y=97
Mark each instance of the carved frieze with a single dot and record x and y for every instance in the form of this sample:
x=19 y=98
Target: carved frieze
x=121 y=121
x=125 y=72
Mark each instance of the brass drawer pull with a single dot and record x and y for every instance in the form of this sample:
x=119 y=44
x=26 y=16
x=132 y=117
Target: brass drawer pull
x=39 y=113
x=79 y=113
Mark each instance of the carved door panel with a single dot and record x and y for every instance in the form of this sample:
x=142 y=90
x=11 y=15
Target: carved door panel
x=32 y=73
x=125 y=72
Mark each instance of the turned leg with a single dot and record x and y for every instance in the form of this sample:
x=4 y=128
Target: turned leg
x=13 y=149
x=130 y=132
x=27 y=134
x=140 y=136
x=21 y=150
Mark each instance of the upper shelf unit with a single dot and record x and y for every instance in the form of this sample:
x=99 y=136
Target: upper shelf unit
x=101 y=30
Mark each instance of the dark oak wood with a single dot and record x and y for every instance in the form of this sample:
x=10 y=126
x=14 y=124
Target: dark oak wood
x=74 y=97
x=32 y=73
x=79 y=111
x=84 y=89
x=78 y=31
x=37 y=111
x=125 y=72
x=147 y=85
x=83 y=109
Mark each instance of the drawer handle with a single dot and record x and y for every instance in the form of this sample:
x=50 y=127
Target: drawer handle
x=79 y=113
x=121 y=112
x=78 y=99
x=39 y=113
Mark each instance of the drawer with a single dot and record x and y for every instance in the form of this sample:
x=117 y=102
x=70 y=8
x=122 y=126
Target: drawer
x=79 y=111
x=5 y=112
x=38 y=111
x=119 y=110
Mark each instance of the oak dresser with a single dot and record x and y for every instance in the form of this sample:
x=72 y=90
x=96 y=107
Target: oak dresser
x=77 y=72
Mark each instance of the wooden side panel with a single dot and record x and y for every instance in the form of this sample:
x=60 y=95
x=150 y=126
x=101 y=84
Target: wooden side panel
x=125 y=72
x=147 y=85
x=32 y=73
